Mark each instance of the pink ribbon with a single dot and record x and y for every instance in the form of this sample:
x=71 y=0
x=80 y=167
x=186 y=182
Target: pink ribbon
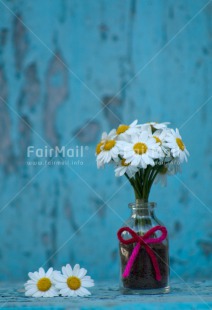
x=142 y=241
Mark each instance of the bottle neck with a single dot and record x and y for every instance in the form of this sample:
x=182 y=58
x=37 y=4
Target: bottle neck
x=141 y=208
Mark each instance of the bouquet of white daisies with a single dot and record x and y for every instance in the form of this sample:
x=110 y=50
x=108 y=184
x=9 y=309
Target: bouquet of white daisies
x=144 y=153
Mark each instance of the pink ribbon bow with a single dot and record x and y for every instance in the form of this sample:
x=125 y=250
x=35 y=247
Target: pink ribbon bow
x=142 y=240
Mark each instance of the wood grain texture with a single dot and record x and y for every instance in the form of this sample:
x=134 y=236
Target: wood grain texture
x=68 y=71
x=106 y=295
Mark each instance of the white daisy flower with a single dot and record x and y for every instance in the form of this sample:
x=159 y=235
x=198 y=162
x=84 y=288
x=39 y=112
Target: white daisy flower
x=123 y=168
x=123 y=131
x=160 y=137
x=152 y=126
x=165 y=171
x=174 y=167
x=161 y=177
x=73 y=282
x=141 y=151
x=176 y=145
x=41 y=284
x=107 y=149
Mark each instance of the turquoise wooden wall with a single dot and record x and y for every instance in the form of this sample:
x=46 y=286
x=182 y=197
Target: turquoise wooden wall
x=71 y=69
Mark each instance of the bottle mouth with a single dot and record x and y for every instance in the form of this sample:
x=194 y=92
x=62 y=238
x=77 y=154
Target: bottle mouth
x=142 y=205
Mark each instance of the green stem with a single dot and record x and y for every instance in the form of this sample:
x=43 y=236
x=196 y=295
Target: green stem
x=153 y=176
x=137 y=193
x=138 y=181
x=143 y=180
x=145 y=183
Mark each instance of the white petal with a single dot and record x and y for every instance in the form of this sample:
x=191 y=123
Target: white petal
x=54 y=291
x=60 y=285
x=49 y=272
x=41 y=272
x=65 y=272
x=87 y=278
x=87 y=283
x=71 y=293
x=120 y=171
x=31 y=291
x=133 y=123
x=36 y=273
x=47 y=294
x=38 y=294
x=145 y=158
x=33 y=276
x=60 y=278
x=82 y=272
x=65 y=291
x=69 y=270
x=104 y=135
x=143 y=164
x=84 y=291
x=74 y=294
x=135 y=161
x=79 y=292
x=76 y=269
x=112 y=133
x=107 y=157
x=187 y=152
x=54 y=273
x=29 y=286
x=33 y=282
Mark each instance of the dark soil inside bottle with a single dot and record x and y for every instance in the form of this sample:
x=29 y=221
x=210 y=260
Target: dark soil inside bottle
x=142 y=274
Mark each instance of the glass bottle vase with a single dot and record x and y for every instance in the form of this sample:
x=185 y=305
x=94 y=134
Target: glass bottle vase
x=144 y=267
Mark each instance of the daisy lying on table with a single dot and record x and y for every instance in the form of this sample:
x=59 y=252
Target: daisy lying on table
x=71 y=282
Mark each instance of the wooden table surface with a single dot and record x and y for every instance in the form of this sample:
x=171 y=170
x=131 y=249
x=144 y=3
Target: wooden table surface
x=183 y=295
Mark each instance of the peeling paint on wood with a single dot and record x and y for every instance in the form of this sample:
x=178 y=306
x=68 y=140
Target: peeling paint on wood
x=106 y=295
x=88 y=132
x=120 y=50
x=57 y=91
x=19 y=41
x=7 y=159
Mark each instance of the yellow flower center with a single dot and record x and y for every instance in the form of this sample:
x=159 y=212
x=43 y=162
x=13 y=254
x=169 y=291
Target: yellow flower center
x=73 y=283
x=44 y=284
x=180 y=144
x=98 y=147
x=121 y=129
x=158 y=140
x=123 y=163
x=109 y=144
x=140 y=148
